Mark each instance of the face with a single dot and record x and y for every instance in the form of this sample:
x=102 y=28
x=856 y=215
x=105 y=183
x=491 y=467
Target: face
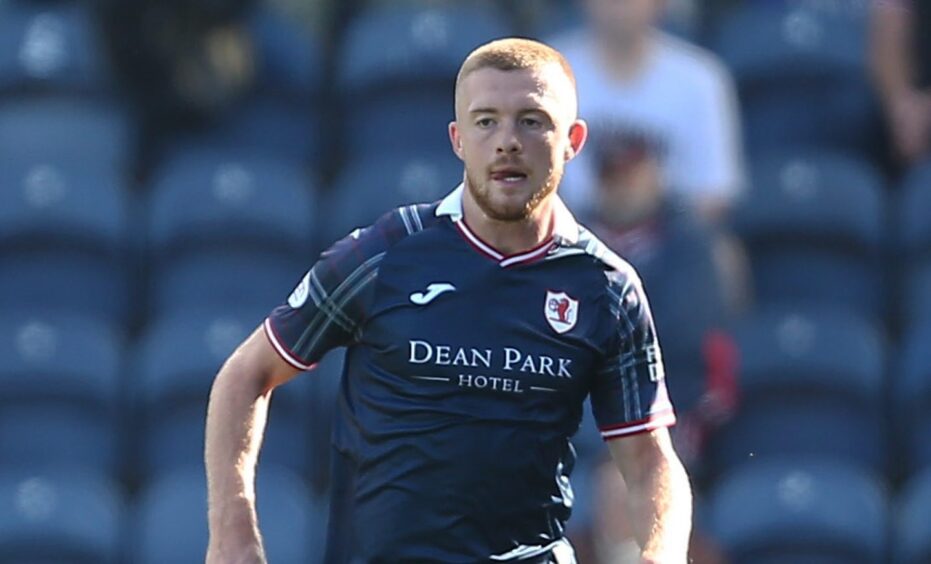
x=515 y=131
x=629 y=190
x=623 y=17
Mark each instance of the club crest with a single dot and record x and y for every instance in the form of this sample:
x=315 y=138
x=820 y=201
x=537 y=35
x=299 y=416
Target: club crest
x=561 y=311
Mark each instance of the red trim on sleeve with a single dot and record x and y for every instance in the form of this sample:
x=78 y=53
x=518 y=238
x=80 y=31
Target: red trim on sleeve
x=284 y=352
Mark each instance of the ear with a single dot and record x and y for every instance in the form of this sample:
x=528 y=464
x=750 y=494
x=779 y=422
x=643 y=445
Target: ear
x=455 y=139
x=578 y=133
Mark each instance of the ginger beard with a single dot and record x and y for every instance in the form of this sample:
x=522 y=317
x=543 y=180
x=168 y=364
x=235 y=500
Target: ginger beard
x=501 y=207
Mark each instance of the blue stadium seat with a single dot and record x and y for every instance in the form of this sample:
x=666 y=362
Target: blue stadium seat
x=413 y=44
x=912 y=535
x=369 y=186
x=801 y=74
x=59 y=393
x=811 y=382
x=228 y=230
x=171 y=519
x=914 y=242
x=397 y=68
x=59 y=517
x=800 y=511
x=912 y=399
x=65 y=130
x=281 y=117
x=814 y=229
x=176 y=362
x=51 y=47
x=63 y=238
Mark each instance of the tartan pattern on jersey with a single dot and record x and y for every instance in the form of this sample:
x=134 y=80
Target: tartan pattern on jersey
x=633 y=371
x=339 y=289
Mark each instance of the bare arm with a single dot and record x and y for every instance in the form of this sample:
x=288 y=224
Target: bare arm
x=235 y=425
x=660 y=497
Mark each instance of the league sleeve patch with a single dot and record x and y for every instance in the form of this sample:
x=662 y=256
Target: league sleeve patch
x=299 y=296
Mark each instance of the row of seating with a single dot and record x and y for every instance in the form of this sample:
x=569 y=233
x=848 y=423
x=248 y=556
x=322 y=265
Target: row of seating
x=218 y=227
x=395 y=66
x=782 y=510
x=82 y=518
x=74 y=393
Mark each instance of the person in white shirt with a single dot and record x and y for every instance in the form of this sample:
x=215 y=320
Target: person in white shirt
x=635 y=78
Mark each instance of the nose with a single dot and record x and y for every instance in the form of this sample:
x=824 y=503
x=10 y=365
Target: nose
x=509 y=142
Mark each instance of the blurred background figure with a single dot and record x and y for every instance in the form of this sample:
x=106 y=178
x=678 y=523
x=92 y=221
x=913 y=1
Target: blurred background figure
x=900 y=60
x=634 y=77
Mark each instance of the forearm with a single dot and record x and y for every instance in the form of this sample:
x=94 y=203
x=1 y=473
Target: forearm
x=659 y=496
x=235 y=425
x=661 y=504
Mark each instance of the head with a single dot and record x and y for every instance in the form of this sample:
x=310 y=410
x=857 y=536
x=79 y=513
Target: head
x=630 y=186
x=516 y=126
x=623 y=20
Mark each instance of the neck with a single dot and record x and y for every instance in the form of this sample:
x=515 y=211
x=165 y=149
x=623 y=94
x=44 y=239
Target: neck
x=510 y=237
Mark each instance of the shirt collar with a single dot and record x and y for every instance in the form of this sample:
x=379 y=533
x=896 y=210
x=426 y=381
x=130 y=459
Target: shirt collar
x=565 y=227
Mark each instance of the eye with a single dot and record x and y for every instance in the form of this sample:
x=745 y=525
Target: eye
x=531 y=122
x=484 y=122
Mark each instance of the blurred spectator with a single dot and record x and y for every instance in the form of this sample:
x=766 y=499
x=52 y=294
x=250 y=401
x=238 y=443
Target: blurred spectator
x=693 y=292
x=633 y=77
x=901 y=63
x=691 y=271
x=181 y=62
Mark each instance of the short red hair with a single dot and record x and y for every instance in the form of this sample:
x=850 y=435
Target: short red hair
x=514 y=53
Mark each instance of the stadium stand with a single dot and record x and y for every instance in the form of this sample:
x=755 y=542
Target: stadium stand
x=63 y=229
x=369 y=186
x=59 y=517
x=801 y=74
x=51 y=47
x=59 y=393
x=176 y=361
x=396 y=70
x=801 y=511
x=228 y=228
x=811 y=383
x=170 y=521
x=814 y=227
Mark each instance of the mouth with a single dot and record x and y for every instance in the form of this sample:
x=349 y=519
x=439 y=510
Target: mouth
x=509 y=175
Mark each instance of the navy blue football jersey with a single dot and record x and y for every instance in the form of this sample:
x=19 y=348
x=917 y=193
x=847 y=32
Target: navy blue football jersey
x=465 y=377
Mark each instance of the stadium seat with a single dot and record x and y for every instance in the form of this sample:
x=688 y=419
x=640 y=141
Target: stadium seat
x=228 y=229
x=912 y=534
x=912 y=399
x=801 y=511
x=170 y=523
x=811 y=383
x=814 y=229
x=801 y=74
x=175 y=365
x=914 y=242
x=369 y=186
x=396 y=71
x=59 y=393
x=50 y=47
x=65 y=130
x=281 y=117
x=63 y=237
x=59 y=517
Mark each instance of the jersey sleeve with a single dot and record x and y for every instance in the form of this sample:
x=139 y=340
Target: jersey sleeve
x=628 y=393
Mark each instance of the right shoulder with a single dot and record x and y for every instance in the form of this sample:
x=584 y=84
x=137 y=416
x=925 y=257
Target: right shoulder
x=363 y=244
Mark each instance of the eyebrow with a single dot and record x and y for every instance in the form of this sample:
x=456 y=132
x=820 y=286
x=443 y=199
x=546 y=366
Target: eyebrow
x=495 y=111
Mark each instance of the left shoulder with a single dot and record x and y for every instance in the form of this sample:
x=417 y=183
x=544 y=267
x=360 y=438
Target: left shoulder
x=619 y=275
